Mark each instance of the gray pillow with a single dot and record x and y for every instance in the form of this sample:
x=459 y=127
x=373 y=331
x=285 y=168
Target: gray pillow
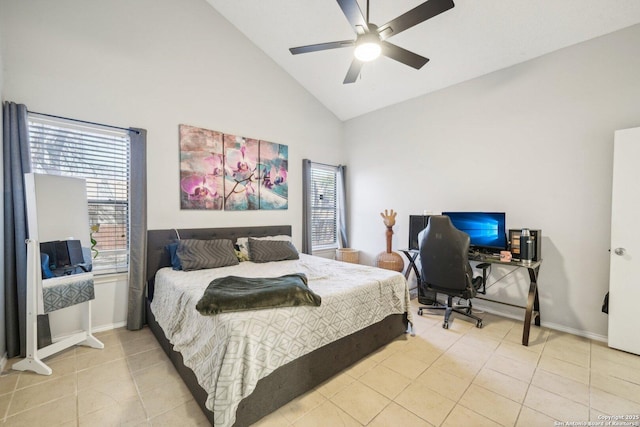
x=199 y=254
x=271 y=250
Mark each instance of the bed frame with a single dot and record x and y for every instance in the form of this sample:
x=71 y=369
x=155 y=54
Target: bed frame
x=288 y=381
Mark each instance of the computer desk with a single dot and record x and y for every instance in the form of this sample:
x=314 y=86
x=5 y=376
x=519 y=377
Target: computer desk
x=532 y=309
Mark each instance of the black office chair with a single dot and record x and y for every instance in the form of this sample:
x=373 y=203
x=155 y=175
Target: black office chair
x=444 y=255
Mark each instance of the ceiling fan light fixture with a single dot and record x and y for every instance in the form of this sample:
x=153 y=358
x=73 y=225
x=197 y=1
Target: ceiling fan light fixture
x=367 y=47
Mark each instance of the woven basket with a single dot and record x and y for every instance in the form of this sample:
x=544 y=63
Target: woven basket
x=348 y=255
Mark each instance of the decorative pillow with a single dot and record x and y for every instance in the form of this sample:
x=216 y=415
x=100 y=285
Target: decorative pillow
x=243 y=242
x=271 y=250
x=241 y=256
x=172 y=248
x=199 y=254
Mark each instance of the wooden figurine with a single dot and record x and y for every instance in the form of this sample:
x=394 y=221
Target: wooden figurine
x=389 y=260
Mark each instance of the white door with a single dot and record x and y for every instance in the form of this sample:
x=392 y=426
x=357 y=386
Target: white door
x=624 y=280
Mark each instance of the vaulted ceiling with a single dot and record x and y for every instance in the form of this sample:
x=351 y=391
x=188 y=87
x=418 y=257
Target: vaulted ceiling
x=472 y=39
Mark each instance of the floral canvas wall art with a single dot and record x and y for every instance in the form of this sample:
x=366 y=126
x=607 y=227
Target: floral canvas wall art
x=241 y=173
x=201 y=168
x=223 y=171
x=274 y=187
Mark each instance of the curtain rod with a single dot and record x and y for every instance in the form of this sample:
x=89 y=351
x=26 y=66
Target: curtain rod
x=323 y=164
x=86 y=122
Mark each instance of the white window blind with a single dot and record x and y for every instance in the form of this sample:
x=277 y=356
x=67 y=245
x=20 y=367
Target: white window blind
x=324 y=219
x=100 y=155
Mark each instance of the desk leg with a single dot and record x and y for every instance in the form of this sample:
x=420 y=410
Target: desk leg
x=412 y=265
x=533 y=306
x=533 y=295
x=536 y=308
x=415 y=268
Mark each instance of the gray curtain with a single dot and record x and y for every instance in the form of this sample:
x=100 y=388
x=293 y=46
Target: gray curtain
x=138 y=230
x=306 y=206
x=16 y=162
x=341 y=196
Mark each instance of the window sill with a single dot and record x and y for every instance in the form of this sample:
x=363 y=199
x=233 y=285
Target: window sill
x=109 y=277
x=324 y=248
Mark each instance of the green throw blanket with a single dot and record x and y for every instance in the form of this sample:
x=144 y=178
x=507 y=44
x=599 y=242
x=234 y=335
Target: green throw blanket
x=234 y=293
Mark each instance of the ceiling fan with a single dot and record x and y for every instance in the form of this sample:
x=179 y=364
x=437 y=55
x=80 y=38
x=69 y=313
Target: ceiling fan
x=371 y=41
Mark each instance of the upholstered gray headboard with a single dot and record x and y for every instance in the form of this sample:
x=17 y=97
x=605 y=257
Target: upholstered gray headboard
x=158 y=257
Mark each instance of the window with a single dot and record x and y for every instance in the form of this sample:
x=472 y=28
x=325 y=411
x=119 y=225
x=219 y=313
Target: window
x=324 y=218
x=100 y=155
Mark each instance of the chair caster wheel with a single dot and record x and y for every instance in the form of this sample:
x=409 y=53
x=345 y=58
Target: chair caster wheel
x=420 y=312
x=479 y=324
x=445 y=325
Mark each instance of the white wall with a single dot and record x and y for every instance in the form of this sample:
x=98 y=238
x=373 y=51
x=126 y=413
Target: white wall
x=156 y=64
x=3 y=344
x=534 y=140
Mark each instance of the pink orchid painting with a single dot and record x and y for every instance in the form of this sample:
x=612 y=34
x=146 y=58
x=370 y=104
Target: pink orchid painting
x=223 y=171
x=201 y=168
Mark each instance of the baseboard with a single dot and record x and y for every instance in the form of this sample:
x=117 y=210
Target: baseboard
x=584 y=334
x=100 y=328
x=548 y=325
x=111 y=326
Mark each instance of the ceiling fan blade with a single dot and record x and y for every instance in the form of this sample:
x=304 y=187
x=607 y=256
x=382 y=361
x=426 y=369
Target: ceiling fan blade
x=354 y=15
x=418 y=14
x=354 y=72
x=321 y=46
x=402 y=55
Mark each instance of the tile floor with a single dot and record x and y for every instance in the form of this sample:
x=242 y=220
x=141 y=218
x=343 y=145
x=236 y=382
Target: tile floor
x=462 y=376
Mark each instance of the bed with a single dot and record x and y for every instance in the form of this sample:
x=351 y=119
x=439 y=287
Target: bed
x=238 y=392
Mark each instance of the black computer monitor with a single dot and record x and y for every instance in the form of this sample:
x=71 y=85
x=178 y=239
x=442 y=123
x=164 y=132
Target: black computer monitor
x=487 y=230
x=417 y=223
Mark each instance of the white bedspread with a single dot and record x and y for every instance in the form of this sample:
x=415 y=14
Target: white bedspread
x=230 y=352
